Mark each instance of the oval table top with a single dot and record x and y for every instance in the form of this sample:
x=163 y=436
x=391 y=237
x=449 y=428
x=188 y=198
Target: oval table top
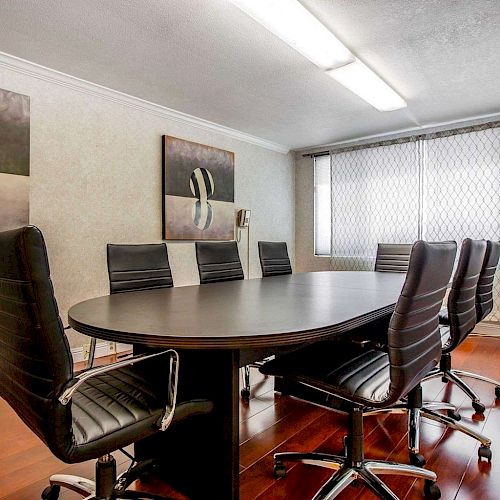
x=255 y=313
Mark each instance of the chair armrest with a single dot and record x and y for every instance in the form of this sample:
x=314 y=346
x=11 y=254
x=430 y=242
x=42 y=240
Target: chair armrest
x=173 y=378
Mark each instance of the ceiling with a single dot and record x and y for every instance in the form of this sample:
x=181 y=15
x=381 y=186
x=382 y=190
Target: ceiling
x=208 y=59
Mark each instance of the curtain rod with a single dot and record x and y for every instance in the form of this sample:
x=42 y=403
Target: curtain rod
x=410 y=138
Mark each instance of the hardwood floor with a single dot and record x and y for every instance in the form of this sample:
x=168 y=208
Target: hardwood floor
x=270 y=423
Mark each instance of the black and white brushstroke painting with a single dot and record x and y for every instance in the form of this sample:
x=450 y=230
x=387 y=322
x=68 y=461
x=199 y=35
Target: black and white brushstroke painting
x=14 y=159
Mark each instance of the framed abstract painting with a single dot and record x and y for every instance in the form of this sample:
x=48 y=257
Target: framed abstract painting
x=14 y=159
x=198 y=191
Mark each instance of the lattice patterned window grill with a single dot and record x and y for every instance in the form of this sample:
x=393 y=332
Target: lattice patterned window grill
x=375 y=198
x=462 y=190
x=436 y=186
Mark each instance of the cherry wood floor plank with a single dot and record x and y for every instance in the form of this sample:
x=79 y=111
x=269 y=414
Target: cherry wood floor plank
x=259 y=477
x=270 y=416
x=264 y=442
x=256 y=405
x=270 y=422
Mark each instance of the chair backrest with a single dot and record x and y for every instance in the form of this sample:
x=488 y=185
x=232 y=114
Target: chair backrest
x=138 y=267
x=414 y=340
x=35 y=358
x=484 y=291
x=274 y=258
x=462 y=313
x=393 y=257
x=218 y=261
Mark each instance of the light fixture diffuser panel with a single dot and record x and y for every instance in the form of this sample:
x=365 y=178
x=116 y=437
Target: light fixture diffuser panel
x=296 y=26
x=365 y=83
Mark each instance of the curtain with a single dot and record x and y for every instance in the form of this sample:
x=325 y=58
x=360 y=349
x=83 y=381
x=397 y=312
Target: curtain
x=375 y=198
x=443 y=186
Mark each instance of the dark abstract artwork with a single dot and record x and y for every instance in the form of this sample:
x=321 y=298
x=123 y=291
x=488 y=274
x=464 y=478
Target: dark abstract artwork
x=14 y=159
x=198 y=191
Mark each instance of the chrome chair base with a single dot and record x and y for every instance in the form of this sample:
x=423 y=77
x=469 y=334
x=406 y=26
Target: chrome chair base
x=245 y=371
x=454 y=376
x=430 y=411
x=107 y=484
x=346 y=472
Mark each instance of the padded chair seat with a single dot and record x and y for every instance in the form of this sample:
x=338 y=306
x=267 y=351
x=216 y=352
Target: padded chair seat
x=361 y=375
x=444 y=319
x=108 y=408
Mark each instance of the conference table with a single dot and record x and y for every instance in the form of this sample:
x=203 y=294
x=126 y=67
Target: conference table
x=217 y=328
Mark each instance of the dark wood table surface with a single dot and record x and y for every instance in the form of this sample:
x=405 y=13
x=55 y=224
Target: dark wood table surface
x=219 y=327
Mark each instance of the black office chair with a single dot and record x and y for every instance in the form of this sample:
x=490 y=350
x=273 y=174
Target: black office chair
x=79 y=417
x=138 y=267
x=274 y=259
x=470 y=301
x=220 y=261
x=392 y=257
x=372 y=378
x=462 y=299
x=135 y=267
x=460 y=317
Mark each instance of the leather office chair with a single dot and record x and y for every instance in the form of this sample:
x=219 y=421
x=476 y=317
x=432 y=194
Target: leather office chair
x=368 y=378
x=138 y=267
x=220 y=261
x=79 y=417
x=274 y=259
x=460 y=317
x=470 y=301
x=484 y=300
x=461 y=300
x=135 y=267
x=392 y=257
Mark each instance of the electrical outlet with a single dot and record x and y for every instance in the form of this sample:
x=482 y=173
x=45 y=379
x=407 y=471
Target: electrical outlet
x=112 y=347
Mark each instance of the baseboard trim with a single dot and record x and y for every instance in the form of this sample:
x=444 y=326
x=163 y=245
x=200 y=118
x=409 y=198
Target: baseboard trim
x=488 y=329
x=101 y=349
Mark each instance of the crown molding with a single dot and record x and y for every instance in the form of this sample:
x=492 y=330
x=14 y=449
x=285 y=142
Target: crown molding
x=43 y=73
x=404 y=132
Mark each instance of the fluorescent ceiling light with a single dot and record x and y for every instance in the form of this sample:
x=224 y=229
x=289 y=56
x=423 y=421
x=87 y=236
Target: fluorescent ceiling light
x=296 y=26
x=361 y=80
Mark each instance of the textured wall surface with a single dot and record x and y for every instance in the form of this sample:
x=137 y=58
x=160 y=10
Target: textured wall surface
x=96 y=179
x=304 y=218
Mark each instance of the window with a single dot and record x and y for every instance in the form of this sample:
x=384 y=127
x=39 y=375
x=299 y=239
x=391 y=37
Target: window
x=439 y=186
x=322 y=206
x=376 y=197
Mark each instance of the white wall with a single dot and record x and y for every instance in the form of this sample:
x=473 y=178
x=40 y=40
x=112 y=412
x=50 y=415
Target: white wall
x=305 y=260
x=96 y=178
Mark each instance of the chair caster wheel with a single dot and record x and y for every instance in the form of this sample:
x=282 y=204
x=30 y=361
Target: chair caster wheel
x=497 y=391
x=51 y=492
x=444 y=380
x=431 y=490
x=245 y=394
x=478 y=407
x=417 y=459
x=279 y=470
x=454 y=415
x=484 y=452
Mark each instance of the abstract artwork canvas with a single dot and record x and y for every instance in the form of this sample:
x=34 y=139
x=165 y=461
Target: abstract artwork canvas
x=198 y=191
x=14 y=159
